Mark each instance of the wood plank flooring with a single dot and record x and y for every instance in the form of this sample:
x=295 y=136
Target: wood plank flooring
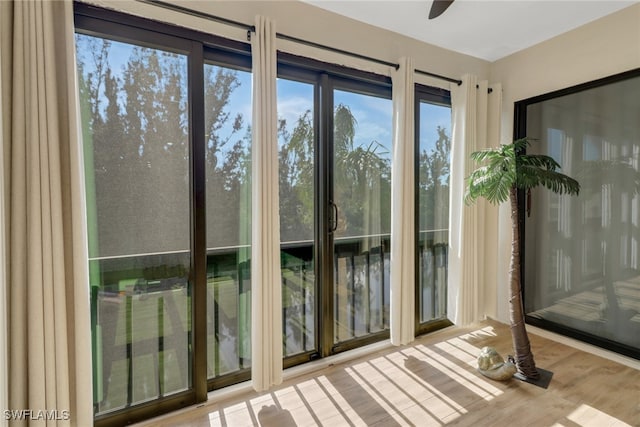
x=433 y=382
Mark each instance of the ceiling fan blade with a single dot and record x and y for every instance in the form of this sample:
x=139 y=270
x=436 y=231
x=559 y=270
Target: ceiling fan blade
x=438 y=7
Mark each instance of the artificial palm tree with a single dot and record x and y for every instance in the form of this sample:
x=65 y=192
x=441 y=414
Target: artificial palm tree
x=505 y=171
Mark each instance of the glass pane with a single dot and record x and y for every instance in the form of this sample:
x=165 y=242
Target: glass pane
x=582 y=268
x=362 y=195
x=134 y=116
x=297 y=199
x=228 y=187
x=433 y=209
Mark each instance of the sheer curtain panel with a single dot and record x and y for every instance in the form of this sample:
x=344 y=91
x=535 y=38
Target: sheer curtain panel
x=266 y=302
x=48 y=315
x=403 y=206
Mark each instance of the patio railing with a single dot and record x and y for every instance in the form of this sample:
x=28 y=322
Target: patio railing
x=141 y=310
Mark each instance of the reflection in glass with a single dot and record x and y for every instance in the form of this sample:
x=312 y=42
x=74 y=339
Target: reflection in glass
x=228 y=201
x=582 y=268
x=362 y=196
x=134 y=117
x=297 y=196
x=433 y=209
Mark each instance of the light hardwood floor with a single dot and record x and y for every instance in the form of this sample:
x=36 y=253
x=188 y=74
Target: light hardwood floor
x=433 y=382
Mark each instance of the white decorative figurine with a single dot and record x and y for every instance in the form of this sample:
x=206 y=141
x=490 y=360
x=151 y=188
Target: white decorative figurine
x=491 y=365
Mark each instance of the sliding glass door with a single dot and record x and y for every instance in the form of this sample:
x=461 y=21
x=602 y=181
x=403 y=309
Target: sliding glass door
x=335 y=169
x=433 y=151
x=582 y=270
x=166 y=118
x=134 y=112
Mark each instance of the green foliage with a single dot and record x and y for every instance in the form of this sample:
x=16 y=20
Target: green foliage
x=509 y=166
x=296 y=179
x=433 y=182
x=362 y=178
x=135 y=119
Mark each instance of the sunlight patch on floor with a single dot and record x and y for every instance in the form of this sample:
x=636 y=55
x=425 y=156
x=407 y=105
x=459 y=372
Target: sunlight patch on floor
x=587 y=416
x=464 y=356
x=471 y=350
x=340 y=403
x=404 y=386
x=239 y=414
x=463 y=377
x=400 y=391
x=488 y=331
x=441 y=405
x=382 y=400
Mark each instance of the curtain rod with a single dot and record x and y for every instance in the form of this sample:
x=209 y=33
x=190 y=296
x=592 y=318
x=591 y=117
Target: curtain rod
x=198 y=14
x=438 y=76
x=336 y=50
x=252 y=28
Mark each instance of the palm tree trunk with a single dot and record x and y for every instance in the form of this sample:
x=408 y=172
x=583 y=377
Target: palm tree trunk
x=522 y=348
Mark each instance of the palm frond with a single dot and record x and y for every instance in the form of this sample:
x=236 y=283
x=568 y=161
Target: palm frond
x=491 y=184
x=520 y=145
x=538 y=160
x=486 y=154
x=507 y=166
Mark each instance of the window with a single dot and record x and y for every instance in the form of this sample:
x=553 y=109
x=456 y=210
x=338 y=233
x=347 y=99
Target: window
x=135 y=131
x=433 y=149
x=227 y=124
x=362 y=140
x=582 y=270
x=335 y=160
x=296 y=140
x=165 y=114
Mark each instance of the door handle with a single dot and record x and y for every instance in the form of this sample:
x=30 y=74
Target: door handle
x=333 y=224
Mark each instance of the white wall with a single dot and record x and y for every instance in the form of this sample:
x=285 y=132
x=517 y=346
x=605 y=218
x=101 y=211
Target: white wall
x=601 y=48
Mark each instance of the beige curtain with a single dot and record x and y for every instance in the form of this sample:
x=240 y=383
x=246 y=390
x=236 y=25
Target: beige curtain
x=403 y=206
x=49 y=324
x=266 y=290
x=4 y=371
x=476 y=124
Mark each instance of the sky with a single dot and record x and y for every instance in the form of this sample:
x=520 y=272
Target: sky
x=431 y=117
x=373 y=114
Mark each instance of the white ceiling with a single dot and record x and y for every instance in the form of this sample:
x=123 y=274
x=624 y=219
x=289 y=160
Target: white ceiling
x=484 y=29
